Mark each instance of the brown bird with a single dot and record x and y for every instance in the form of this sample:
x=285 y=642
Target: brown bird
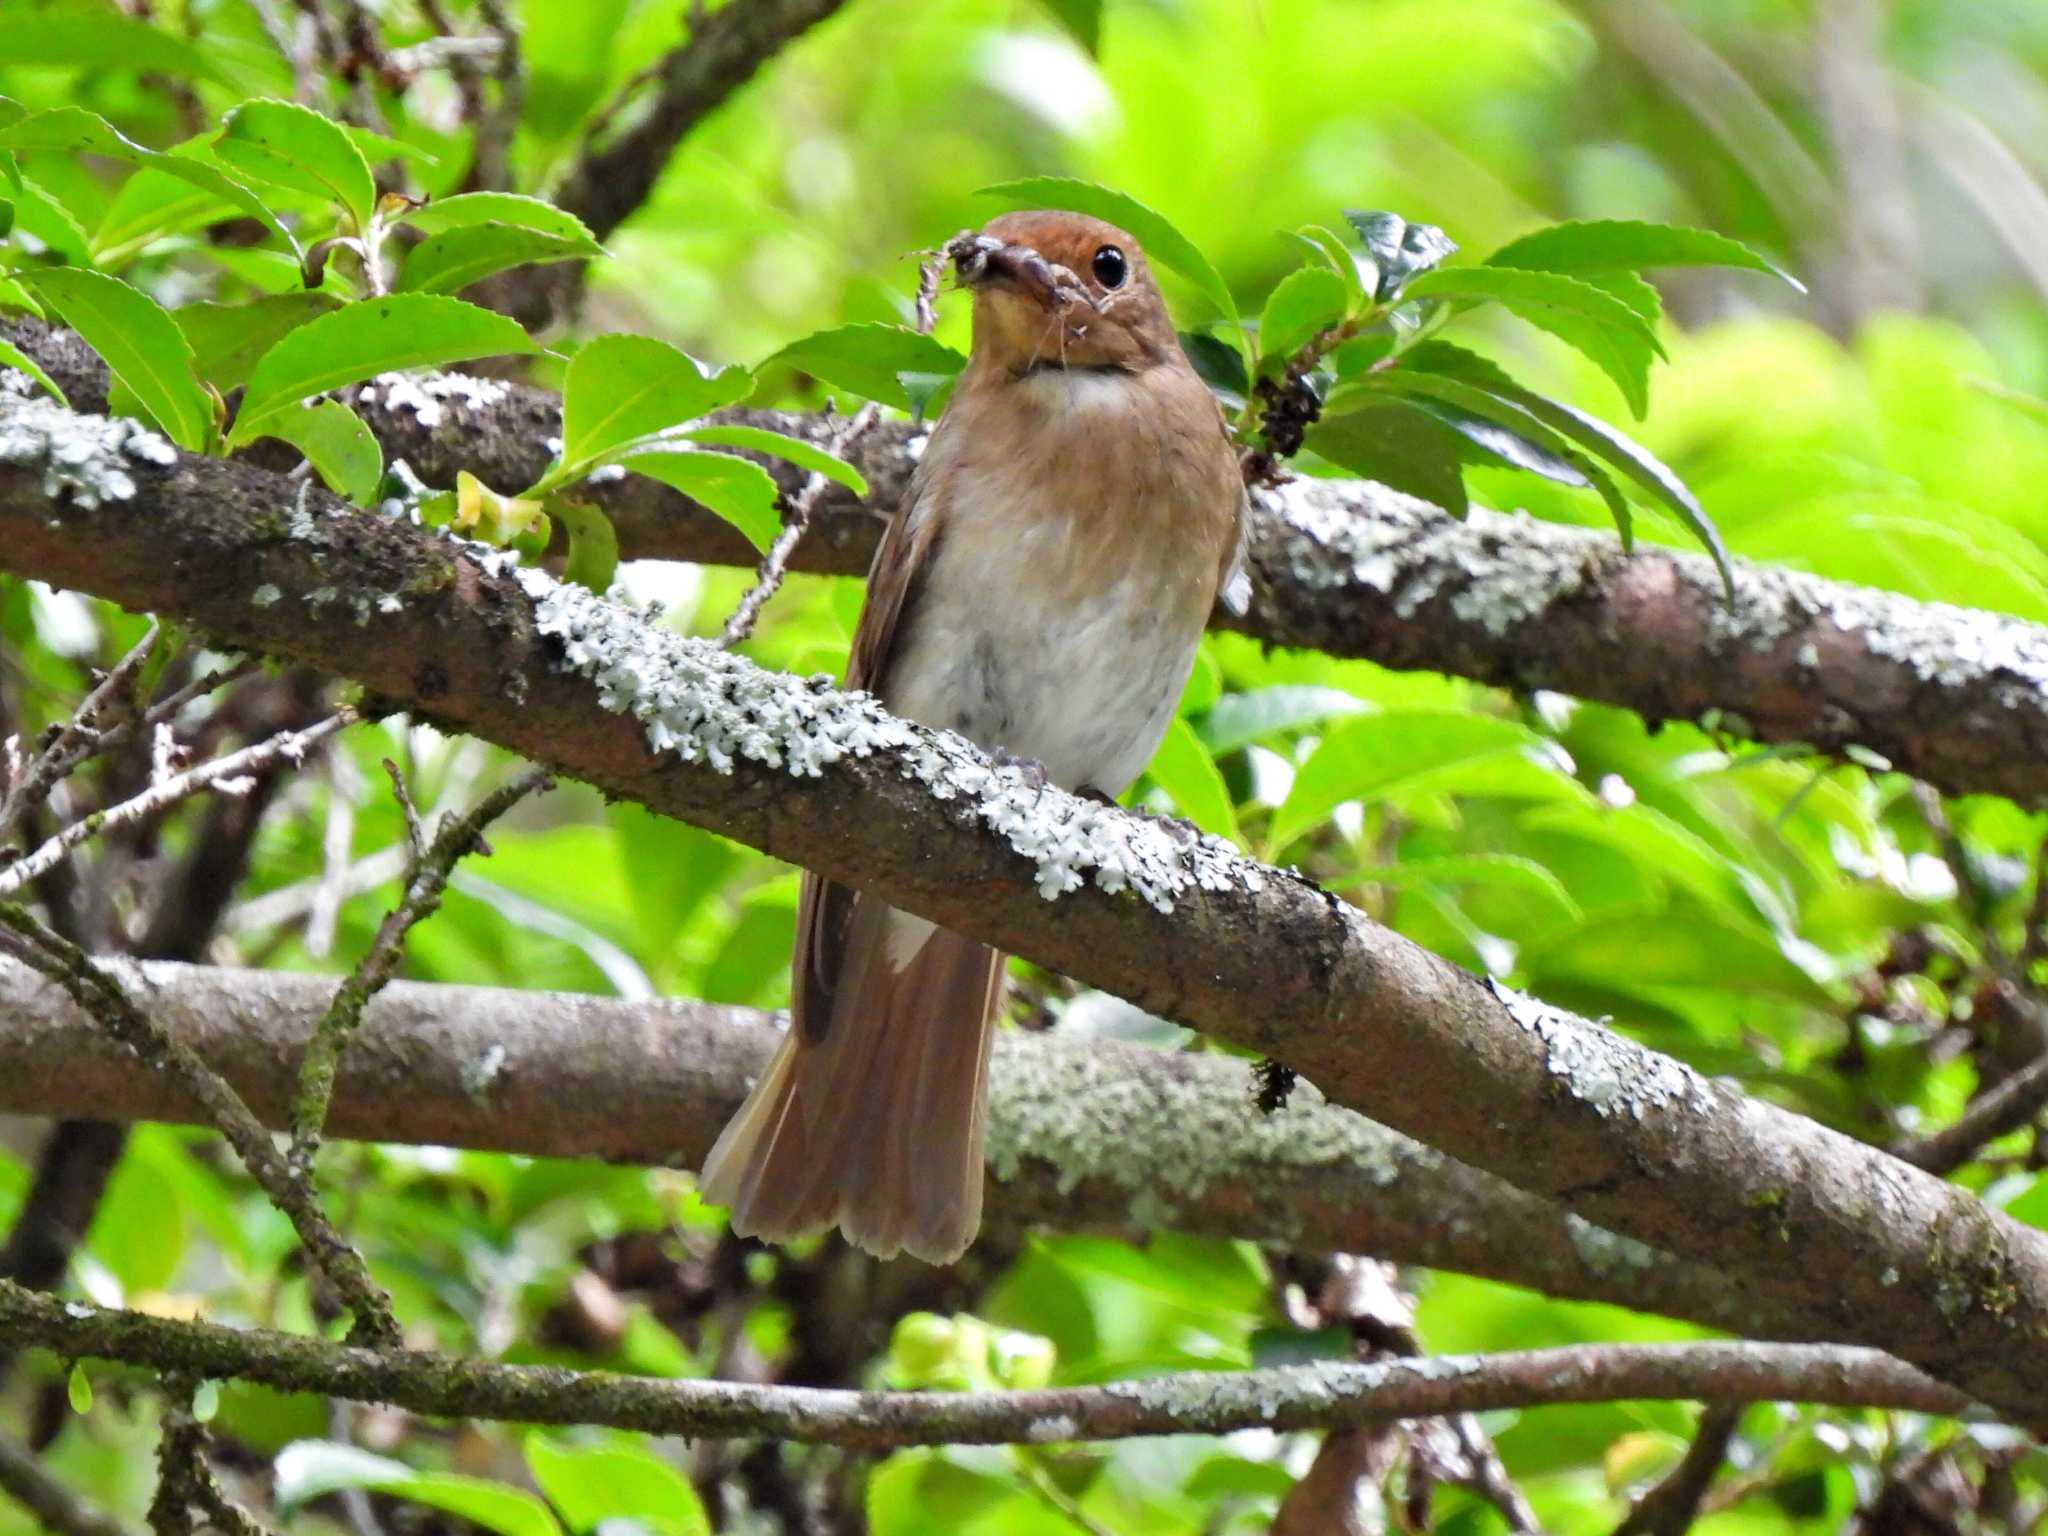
x=1070 y=525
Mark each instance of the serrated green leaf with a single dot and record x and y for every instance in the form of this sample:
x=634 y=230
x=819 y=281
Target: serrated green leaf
x=1162 y=242
x=1306 y=302
x=227 y=339
x=97 y=37
x=1502 y=428
x=13 y=357
x=1400 y=250
x=141 y=345
x=782 y=446
x=73 y=130
x=622 y=389
x=869 y=360
x=1524 y=292
x=738 y=490
x=616 y=1480
x=516 y=209
x=593 y=542
x=292 y=146
x=1628 y=245
x=308 y=1469
x=359 y=341
x=1398 y=446
x=333 y=439
x=453 y=259
x=1183 y=768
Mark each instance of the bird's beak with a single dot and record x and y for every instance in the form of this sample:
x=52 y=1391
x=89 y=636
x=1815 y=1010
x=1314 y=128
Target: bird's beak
x=979 y=259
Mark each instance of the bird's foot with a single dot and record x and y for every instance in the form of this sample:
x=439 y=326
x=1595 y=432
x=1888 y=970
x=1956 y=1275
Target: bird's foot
x=1030 y=769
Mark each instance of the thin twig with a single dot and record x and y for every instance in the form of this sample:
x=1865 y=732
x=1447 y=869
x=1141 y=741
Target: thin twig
x=425 y=882
x=54 y=1504
x=1282 y=1398
x=774 y=565
x=231 y=774
x=76 y=737
x=1670 y=1508
x=100 y=995
x=2016 y=1100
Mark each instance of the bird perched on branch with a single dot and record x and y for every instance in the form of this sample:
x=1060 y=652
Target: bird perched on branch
x=1072 y=522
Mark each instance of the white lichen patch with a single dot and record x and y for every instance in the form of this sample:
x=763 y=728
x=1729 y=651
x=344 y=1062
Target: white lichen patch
x=1608 y=1073
x=428 y=396
x=86 y=458
x=706 y=705
x=1495 y=574
x=1167 y=1128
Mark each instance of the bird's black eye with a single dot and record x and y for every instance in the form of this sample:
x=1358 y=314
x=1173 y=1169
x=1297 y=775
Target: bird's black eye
x=1110 y=267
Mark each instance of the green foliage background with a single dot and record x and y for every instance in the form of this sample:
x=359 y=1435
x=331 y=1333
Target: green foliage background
x=1744 y=907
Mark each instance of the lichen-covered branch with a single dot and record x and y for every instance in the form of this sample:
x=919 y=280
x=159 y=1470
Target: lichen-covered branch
x=1328 y=1394
x=1083 y=1135
x=1954 y=696
x=1796 y=1214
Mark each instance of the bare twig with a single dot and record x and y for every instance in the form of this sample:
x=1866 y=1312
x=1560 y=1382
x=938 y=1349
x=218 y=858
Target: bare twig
x=32 y=1485
x=1322 y=1395
x=425 y=881
x=1670 y=1508
x=94 y=990
x=796 y=518
x=232 y=774
x=2015 y=1101
x=30 y=782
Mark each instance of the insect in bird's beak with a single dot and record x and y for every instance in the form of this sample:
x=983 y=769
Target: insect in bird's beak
x=977 y=258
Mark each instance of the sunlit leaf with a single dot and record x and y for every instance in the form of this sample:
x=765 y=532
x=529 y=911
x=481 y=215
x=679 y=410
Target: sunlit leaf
x=1626 y=245
x=292 y=146
x=869 y=360
x=13 y=357
x=455 y=258
x=467 y=209
x=1307 y=301
x=805 y=455
x=142 y=347
x=97 y=37
x=622 y=389
x=1184 y=769
x=335 y=442
x=738 y=490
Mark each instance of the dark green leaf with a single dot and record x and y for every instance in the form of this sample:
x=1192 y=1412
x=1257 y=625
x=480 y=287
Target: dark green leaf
x=13 y=357
x=1626 y=245
x=73 y=130
x=621 y=389
x=738 y=490
x=530 y=213
x=335 y=442
x=455 y=258
x=1219 y=363
x=1399 y=250
x=400 y=330
x=1502 y=428
x=868 y=360
x=1307 y=302
x=227 y=339
x=780 y=444
x=292 y=146
x=141 y=345
x=614 y=1480
x=1162 y=242
x=593 y=542
x=1398 y=446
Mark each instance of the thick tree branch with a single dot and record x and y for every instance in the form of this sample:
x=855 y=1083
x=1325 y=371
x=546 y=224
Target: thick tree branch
x=1954 y=696
x=1326 y=1395
x=1084 y=1134
x=1795 y=1213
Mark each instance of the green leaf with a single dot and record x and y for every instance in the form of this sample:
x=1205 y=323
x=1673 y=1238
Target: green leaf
x=455 y=258
x=868 y=359
x=621 y=389
x=925 y=391
x=42 y=213
x=1184 y=769
x=1399 y=250
x=13 y=357
x=1333 y=249
x=78 y=1389
x=1306 y=302
x=151 y=206
x=1398 y=446
x=738 y=490
x=593 y=542
x=1082 y=20
x=97 y=37
x=73 y=130
x=1502 y=428
x=1220 y=365
x=2033 y=407
x=206 y=1401
x=1626 y=245
x=292 y=146
x=335 y=442
x=1238 y=719
x=782 y=446
x=1404 y=754
x=142 y=347
x=467 y=209
x=1522 y=875
x=615 y=1480
x=308 y=1469
x=400 y=330
x=228 y=339
x=1162 y=242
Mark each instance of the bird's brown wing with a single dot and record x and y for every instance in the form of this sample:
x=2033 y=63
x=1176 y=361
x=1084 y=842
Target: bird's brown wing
x=824 y=910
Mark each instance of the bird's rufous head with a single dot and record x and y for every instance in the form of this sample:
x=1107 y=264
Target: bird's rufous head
x=1056 y=289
